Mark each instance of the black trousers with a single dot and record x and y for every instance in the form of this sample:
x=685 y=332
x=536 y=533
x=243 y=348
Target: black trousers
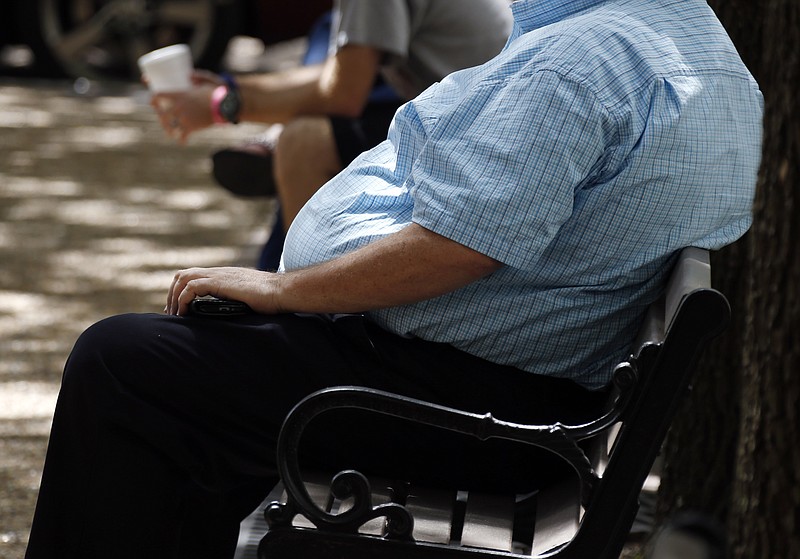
x=164 y=433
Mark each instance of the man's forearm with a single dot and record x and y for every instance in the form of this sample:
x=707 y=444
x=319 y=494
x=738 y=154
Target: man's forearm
x=340 y=86
x=409 y=266
x=280 y=96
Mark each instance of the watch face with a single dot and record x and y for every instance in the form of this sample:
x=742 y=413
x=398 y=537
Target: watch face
x=230 y=106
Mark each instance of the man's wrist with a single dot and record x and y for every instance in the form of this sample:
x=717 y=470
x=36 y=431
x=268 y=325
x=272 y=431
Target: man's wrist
x=226 y=103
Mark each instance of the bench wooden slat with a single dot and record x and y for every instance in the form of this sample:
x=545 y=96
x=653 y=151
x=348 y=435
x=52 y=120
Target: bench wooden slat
x=489 y=521
x=318 y=487
x=558 y=513
x=381 y=493
x=432 y=510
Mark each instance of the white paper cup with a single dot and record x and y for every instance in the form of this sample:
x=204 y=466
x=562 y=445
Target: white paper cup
x=168 y=68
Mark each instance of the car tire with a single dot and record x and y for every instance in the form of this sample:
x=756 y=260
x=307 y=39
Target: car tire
x=104 y=38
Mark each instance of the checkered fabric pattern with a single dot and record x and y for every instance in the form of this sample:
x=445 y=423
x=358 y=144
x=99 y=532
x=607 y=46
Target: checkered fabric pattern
x=605 y=137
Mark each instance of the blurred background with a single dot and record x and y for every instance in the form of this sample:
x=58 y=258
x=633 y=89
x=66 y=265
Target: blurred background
x=101 y=39
x=97 y=207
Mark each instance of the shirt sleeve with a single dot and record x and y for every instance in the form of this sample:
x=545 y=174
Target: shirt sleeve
x=383 y=24
x=502 y=165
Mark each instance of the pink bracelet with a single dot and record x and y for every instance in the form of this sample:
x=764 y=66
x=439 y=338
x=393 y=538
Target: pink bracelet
x=217 y=96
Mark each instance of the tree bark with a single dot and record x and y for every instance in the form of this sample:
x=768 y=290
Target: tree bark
x=699 y=453
x=765 y=508
x=746 y=471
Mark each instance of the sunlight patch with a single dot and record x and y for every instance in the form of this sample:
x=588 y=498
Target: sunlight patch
x=188 y=199
x=27 y=400
x=33 y=186
x=29 y=312
x=29 y=118
x=110 y=136
x=116 y=105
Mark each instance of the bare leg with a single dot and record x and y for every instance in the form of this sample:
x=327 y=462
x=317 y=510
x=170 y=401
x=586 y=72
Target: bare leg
x=305 y=158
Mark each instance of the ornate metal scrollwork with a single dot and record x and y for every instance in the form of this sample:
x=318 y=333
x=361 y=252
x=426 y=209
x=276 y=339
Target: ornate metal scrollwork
x=557 y=438
x=346 y=485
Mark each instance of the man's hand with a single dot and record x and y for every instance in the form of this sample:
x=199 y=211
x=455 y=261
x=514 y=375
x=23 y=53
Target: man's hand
x=339 y=86
x=185 y=112
x=253 y=287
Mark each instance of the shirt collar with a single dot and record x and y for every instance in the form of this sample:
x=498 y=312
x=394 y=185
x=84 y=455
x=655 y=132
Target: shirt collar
x=533 y=14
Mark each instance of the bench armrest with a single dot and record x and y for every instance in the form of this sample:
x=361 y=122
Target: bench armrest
x=555 y=438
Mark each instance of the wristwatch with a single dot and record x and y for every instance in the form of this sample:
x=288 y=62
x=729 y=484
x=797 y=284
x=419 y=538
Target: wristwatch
x=226 y=102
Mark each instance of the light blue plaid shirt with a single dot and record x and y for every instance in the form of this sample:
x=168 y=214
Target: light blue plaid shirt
x=606 y=136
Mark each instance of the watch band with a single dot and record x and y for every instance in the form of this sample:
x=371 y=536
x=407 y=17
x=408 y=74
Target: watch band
x=229 y=80
x=217 y=96
x=226 y=101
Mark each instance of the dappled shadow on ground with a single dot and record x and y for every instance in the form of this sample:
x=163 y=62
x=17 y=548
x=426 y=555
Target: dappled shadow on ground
x=97 y=211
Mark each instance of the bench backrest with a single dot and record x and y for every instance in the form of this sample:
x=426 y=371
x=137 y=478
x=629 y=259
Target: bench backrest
x=675 y=331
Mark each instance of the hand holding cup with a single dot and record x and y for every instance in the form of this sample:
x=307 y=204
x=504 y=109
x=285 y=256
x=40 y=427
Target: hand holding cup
x=179 y=92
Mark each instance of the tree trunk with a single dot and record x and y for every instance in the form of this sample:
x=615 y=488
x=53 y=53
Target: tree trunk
x=746 y=471
x=700 y=451
x=765 y=508
x=699 y=454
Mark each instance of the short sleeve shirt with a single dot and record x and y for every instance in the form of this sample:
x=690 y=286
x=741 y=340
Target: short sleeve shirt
x=604 y=138
x=423 y=40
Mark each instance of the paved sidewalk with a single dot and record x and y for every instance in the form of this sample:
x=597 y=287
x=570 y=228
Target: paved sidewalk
x=97 y=211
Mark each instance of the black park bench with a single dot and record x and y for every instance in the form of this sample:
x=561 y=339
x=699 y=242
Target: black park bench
x=587 y=515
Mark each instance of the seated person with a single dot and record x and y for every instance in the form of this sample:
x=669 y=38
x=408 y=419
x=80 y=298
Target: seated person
x=326 y=113
x=497 y=252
